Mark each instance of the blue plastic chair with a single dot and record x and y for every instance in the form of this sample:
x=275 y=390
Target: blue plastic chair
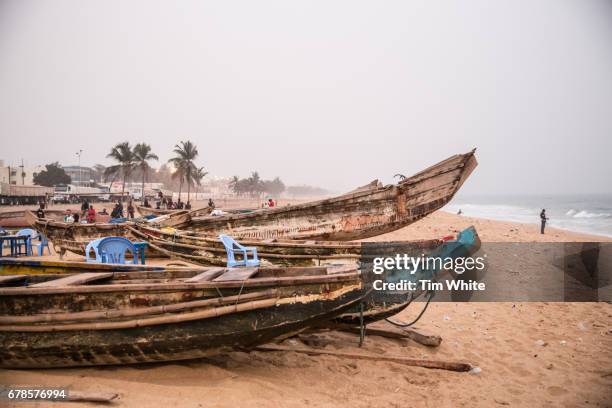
x=114 y=249
x=93 y=245
x=32 y=234
x=231 y=247
x=111 y=250
x=43 y=243
x=4 y=243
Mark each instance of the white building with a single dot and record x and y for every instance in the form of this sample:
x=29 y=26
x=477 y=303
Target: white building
x=18 y=175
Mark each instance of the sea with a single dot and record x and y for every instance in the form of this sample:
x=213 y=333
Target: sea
x=591 y=214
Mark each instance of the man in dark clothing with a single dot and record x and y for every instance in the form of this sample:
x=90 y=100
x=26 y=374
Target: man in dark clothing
x=188 y=206
x=40 y=213
x=543 y=219
x=85 y=207
x=130 y=210
x=211 y=203
x=116 y=213
x=76 y=217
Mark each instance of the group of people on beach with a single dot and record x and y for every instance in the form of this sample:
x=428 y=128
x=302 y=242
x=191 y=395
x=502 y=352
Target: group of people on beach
x=166 y=203
x=269 y=203
x=87 y=214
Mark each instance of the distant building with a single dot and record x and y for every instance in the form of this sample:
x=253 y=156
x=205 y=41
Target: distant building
x=18 y=175
x=81 y=176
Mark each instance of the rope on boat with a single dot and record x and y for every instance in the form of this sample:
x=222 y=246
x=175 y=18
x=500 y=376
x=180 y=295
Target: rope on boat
x=402 y=324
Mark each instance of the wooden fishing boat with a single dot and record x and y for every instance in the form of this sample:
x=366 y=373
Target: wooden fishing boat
x=205 y=250
x=378 y=305
x=138 y=317
x=368 y=211
x=157 y=212
x=18 y=218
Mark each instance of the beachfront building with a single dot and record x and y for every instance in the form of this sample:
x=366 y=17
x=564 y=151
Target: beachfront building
x=18 y=175
x=81 y=175
x=213 y=186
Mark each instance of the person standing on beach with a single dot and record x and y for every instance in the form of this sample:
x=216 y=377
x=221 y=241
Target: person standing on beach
x=130 y=210
x=543 y=218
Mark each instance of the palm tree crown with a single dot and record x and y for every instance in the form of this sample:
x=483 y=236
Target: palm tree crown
x=186 y=152
x=123 y=155
x=142 y=155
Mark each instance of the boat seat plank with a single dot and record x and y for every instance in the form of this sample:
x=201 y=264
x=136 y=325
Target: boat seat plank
x=236 y=274
x=341 y=269
x=206 y=276
x=12 y=278
x=77 y=279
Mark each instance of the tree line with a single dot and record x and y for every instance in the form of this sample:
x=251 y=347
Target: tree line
x=130 y=159
x=254 y=185
x=132 y=162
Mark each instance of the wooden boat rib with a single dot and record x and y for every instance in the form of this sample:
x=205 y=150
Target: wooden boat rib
x=364 y=213
x=137 y=317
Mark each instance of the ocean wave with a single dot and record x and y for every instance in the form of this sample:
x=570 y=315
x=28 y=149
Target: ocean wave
x=586 y=214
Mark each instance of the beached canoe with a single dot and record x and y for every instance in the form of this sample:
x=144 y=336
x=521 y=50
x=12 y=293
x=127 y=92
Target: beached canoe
x=379 y=305
x=138 y=317
x=366 y=212
x=157 y=212
x=209 y=251
x=18 y=218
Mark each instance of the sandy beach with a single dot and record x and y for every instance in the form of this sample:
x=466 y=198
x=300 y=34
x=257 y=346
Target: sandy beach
x=530 y=354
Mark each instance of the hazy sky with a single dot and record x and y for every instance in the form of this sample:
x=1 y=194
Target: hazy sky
x=330 y=93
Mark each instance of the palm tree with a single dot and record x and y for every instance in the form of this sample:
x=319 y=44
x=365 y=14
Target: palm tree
x=234 y=183
x=197 y=177
x=186 y=152
x=142 y=154
x=123 y=155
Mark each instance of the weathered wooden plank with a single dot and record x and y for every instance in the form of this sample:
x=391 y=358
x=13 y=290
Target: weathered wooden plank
x=12 y=278
x=206 y=276
x=236 y=274
x=77 y=279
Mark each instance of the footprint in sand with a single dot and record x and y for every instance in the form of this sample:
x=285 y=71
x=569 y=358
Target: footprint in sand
x=556 y=391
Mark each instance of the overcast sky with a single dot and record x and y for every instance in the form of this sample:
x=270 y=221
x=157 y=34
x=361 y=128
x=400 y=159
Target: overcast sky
x=329 y=93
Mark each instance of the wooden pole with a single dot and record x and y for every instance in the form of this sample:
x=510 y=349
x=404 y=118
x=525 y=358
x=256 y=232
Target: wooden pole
x=91 y=396
x=143 y=311
x=430 y=341
x=442 y=365
x=152 y=321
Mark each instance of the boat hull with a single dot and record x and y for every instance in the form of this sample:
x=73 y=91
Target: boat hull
x=178 y=341
x=361 y=214
x=135 y=317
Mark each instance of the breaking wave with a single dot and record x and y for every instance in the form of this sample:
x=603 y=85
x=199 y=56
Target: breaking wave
x=586 y=214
